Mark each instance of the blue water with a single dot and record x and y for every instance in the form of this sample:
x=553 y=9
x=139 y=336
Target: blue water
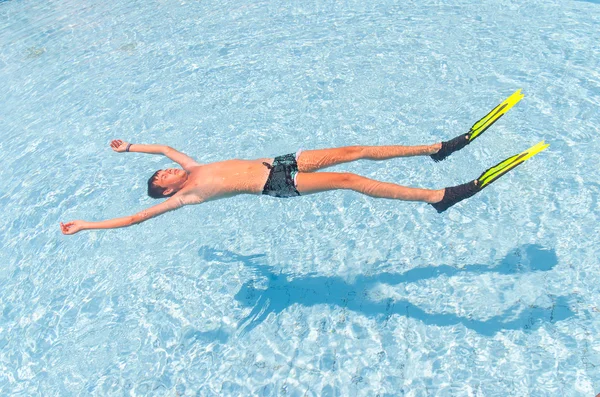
x=329 y=295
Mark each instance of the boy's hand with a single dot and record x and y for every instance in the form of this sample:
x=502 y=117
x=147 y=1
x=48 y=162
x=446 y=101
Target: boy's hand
x=71 y=227
x=118 y=145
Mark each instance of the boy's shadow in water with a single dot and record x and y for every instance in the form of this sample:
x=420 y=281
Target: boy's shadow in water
x=282 y=291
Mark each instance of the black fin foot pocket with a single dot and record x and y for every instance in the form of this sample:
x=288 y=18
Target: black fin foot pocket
x=456 y=194
x=450 y=147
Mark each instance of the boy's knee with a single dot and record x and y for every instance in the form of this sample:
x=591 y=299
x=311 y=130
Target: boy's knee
x=347 y=179
x=353 y=152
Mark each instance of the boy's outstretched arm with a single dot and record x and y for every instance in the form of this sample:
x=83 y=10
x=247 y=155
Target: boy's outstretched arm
x=182 y=159
x=171 y=204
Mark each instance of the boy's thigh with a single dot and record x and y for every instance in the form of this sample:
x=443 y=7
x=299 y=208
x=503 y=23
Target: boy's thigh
x=313 y=160
x=315 y=182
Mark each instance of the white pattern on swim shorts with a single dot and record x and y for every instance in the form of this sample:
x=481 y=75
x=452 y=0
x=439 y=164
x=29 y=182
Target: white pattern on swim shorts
x=295 y=173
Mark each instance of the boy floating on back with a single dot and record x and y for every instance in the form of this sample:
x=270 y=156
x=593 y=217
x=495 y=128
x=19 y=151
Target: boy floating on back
x=294 y=174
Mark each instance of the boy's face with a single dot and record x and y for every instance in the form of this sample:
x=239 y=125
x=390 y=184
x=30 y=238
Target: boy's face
x=171 y=178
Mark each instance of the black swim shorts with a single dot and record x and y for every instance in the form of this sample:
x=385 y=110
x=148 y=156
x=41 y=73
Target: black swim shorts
x=282 y=177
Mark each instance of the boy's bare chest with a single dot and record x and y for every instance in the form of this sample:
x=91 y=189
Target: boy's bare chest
x=229 y=177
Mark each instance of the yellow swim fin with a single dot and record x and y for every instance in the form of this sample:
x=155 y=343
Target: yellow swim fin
x=455 y=144
x=491 y=174
x=493 y=116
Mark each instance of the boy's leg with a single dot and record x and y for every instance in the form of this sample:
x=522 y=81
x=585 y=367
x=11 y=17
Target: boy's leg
x=313 y=160
x=308 y=183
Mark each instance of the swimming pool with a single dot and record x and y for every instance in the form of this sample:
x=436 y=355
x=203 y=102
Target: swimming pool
x=334 y=294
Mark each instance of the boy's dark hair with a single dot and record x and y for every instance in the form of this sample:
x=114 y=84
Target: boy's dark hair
x=154 y=190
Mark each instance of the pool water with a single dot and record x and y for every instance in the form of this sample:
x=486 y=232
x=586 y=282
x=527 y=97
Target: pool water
x=335 y=294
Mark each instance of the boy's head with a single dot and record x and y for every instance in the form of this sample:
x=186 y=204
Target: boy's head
x=165 y=183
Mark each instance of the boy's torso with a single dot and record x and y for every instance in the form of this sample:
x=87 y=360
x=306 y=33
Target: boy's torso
x=226 y=178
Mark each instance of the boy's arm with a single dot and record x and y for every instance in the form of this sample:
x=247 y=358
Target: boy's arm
x=171 y=204
x=183 y=160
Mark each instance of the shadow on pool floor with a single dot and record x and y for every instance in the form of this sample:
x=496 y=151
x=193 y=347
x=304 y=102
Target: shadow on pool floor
x=283 y=290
